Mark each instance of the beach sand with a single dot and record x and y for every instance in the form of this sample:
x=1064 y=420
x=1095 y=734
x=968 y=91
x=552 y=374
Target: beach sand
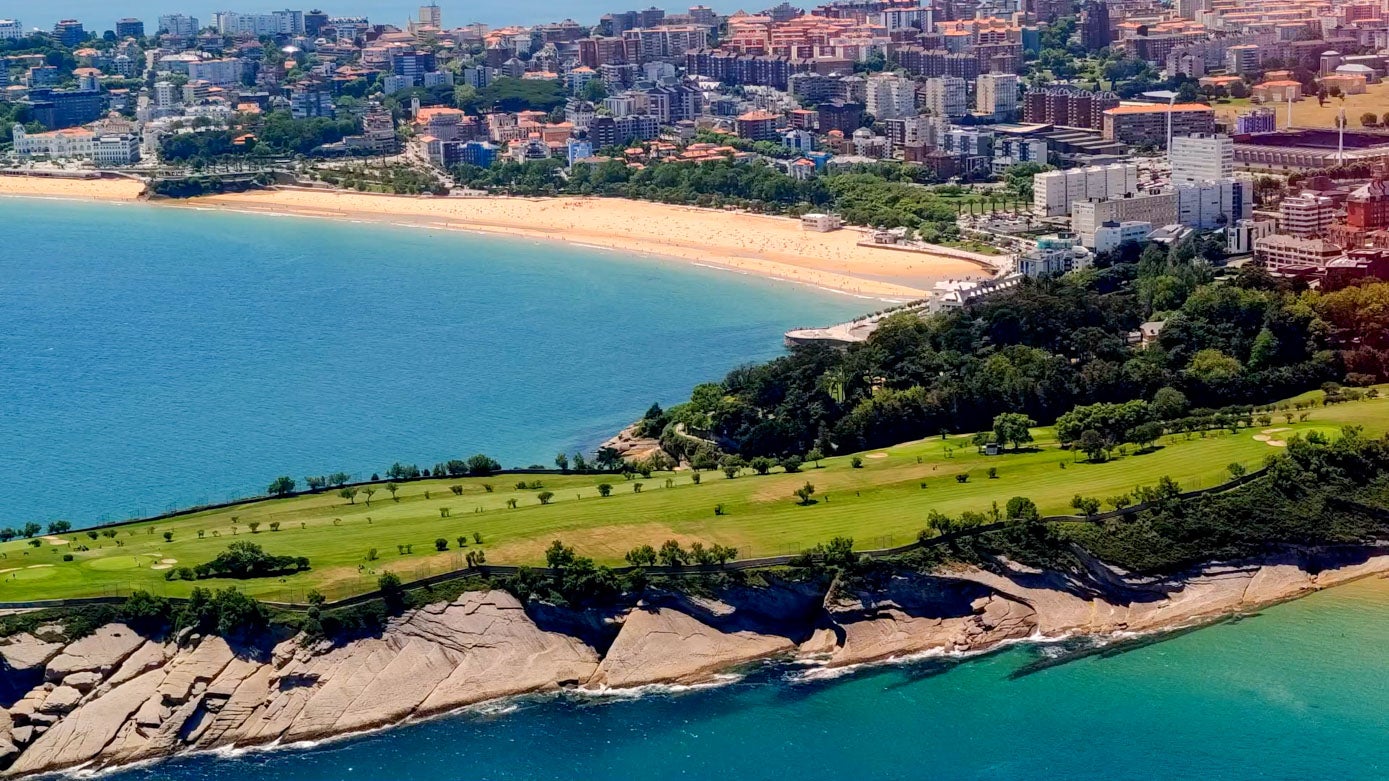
x=77 y=189
x=774 y=247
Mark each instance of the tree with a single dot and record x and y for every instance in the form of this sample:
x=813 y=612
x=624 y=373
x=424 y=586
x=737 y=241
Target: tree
x=1369 y=119
x=732 y=465
x=641 y=556
x=368 y=491
x=59 y=527
x=282 y=486
x=562 y=461
x=761 y=465
x=559 y=555
x=1237 y=470
x=1087 y=505
x=392 y=592
x=1013 y=427
x=804 y=493
x=1169 y=404
x=545 y=496
x=1093 y=444
x=1020 y=508
x=338 y=479
x=482 y=465
x=815 y=455
x=350 y=494
x=168 y=536
x=441 y=544
x=605 y=489
x=392 y=488
x=671 y=554
x=1147 y=434
x=255 y=527
x=792 y=464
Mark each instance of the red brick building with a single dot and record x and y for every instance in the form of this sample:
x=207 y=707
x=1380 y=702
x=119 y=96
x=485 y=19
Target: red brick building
x=1368 y=207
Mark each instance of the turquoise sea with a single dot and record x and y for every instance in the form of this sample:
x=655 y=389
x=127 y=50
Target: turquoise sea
x=1298 y=692
x=152 y=357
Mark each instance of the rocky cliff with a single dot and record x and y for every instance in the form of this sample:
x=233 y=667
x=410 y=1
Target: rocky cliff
x=116 y=697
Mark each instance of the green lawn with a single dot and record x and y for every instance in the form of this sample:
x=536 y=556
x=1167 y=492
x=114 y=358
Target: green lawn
x=884 y=503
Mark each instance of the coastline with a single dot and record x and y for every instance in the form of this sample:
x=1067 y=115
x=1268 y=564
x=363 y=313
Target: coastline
x=760 y=245
x=144 y=700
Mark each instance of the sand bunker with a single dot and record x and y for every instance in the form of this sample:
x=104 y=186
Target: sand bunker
x=9 y=569
x=1262 y=437
x=1277 y=443
x=877 y=455
x=39 y=566
x=51 y=540
x=161 y=566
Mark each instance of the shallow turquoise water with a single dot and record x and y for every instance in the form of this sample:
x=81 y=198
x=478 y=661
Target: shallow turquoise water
x=1298 y=692
x=152 y=357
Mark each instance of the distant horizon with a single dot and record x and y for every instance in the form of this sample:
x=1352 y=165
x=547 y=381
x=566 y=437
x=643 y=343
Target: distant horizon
x=99 y=16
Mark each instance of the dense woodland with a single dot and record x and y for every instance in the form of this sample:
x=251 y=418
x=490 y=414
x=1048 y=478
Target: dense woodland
x=277 y=134
x=1044 y=349
x=882 y=195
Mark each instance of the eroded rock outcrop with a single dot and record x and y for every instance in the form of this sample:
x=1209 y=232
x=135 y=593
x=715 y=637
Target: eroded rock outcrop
x=115 y=697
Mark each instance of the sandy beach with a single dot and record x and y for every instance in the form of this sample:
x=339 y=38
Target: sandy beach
x=773 y=247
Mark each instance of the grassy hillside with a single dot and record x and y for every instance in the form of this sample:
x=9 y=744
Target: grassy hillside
x=880 y=504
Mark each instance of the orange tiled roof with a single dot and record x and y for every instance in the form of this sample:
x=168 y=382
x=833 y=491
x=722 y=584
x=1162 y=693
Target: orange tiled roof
x=1158 y=109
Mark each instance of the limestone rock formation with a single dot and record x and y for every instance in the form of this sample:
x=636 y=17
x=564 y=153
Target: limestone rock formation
x=115 y=697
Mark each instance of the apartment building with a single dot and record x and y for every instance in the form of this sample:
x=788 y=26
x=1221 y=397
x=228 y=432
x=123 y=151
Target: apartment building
x=1053 y=192
x=1148 y=124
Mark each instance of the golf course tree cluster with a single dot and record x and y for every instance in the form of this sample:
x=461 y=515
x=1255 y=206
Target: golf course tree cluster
x=243 y=560
x=1040 y=351
x=30 y=529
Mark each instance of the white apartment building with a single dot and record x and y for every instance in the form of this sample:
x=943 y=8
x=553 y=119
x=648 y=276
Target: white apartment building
x=1240 y=237
x=996 y=94
x=1054 y=255
x=1053 y=192
x=273 y=23
x=221 y=73
x=1202 y=158
x=11 y=29
x=165 y=94
x=1214 y=204
x=1292 y=253
x=1011 y=151
x=178 y=24
x=947 y=96
x=76 y=143
x=1087 y=217
x=1306 y=215
x=1110 y=235
x=888 y=96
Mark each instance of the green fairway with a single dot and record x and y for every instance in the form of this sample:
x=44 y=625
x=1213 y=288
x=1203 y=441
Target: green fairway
x=881 y=504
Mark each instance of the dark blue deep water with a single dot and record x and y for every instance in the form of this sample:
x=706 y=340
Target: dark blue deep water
x=152 y=357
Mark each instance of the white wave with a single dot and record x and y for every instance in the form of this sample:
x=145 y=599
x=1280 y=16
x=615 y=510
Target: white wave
x=637 y=692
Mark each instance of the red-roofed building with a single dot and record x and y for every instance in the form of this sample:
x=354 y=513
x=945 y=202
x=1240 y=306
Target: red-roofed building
x=757 y=126
x=1147 y=124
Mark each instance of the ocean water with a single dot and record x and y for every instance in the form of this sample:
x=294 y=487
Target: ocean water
x=152 y=357
x=1297 y=692
x=98 y=15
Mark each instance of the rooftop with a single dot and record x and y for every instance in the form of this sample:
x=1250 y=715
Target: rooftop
x=1158 y=108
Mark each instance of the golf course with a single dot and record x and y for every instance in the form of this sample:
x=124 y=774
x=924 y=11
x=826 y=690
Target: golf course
x=879 y=498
